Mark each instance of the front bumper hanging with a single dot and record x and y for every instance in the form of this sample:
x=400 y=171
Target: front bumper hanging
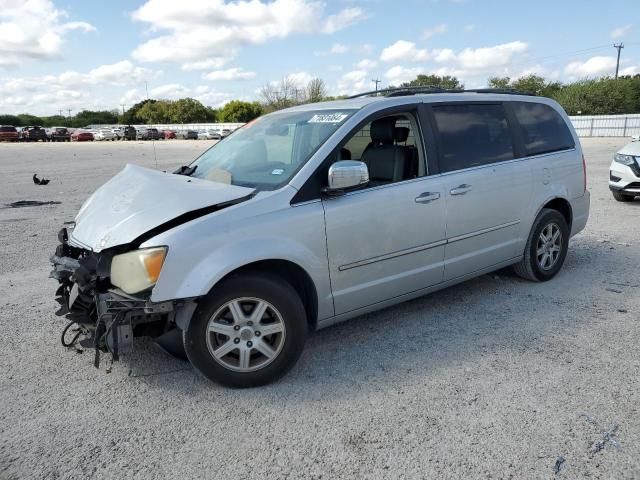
x=104 y=318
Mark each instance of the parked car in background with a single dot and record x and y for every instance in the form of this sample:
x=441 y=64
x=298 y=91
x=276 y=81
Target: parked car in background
x=323 y=212
x=117 y=133
x=209 y=135
x=168 y=134
x=624 y=172
x=188 y=134
x=129 y=133
x=59 y=134
x=103 y=134
x=148 y=134
x=82 y=136
x=225 y=133
x=9 y=133
x=33 y=134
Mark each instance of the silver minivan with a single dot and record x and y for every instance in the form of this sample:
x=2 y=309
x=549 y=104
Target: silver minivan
x=315 y=214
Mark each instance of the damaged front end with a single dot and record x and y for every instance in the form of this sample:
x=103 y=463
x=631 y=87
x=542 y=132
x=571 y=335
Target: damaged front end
x=102 y=316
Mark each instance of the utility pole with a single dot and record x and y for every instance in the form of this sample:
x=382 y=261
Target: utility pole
x=376 y=81
x=146 y=87
x=60 y=112
x=122 y=105
x=69 y=111
x=619 y=46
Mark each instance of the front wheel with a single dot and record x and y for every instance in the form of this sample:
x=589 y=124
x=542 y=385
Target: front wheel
x=546 y=247
x=248 y=331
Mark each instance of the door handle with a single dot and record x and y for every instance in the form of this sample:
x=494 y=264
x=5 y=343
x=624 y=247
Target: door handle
x=460 y=189
x=427 y=197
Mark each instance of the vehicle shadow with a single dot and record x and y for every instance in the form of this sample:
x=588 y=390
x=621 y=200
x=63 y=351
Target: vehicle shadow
x=461 y=324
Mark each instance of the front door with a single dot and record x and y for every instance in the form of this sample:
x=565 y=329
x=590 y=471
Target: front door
x=388 y=239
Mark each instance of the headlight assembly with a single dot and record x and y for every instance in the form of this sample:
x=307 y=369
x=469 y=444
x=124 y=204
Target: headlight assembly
x=624 y=159
x=138 y=270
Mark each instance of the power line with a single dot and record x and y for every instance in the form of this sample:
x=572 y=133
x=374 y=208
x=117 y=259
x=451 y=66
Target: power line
x=619 y=46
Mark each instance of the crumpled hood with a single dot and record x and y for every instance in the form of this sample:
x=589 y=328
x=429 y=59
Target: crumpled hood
x=138 y=199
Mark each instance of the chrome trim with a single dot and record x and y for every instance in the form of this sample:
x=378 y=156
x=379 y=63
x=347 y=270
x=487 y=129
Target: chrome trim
x=483 y=231
x=439 y=243
x=388 y=256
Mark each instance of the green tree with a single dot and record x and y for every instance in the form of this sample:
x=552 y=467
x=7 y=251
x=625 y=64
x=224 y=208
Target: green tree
x=316 y=90
x=91 y=117
x=605 y=96
x=500 y=82
x=446 y=81
x=158 y=111
x=187 y=110
x=239 y=111
x=27 y=119
x=10 y=120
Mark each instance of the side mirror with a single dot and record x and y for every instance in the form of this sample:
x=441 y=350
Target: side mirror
x=346 y=174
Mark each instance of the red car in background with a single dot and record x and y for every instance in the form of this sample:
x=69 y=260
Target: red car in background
x=8 y=134
x=169 y=134
x=81 y=136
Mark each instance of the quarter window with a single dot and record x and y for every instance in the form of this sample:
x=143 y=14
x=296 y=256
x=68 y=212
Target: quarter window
x=471 y=135
x=543 y=129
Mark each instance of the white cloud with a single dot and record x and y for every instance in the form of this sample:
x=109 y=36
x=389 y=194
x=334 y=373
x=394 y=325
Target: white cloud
x=366 y=64
x=593 y=67
x=431 y=32
x=300 y=78
x=399 y=74
x=170 y=91
x=190 y=30
x=33 y=29
x=489 y=57
x=620 y=31
x=469 y=28
x=229 y=74
x=217 y=62
x=336 y=49
x=353 y=82
x=403 y=50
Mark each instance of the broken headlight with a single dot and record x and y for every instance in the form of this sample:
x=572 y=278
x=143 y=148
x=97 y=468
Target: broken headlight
x=136 y=271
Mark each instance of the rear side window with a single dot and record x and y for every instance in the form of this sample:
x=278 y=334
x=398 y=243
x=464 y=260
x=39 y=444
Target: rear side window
x=471 y=135
x=7 y=129
x=543 y=129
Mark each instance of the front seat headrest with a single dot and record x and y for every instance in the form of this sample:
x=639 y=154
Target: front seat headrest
x=382 y=131
x=401 y=134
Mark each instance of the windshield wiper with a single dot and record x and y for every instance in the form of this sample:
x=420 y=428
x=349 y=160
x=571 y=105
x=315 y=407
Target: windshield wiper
x=186 y=170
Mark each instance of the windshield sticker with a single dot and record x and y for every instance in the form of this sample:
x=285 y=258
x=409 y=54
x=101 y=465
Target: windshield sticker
x=277 y=171
x=328 y=118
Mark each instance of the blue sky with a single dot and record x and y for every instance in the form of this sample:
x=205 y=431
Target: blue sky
x=73 y=54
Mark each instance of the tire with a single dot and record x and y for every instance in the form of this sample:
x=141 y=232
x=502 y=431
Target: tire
x=283 y=313
x=621 y=197
x=531 y=266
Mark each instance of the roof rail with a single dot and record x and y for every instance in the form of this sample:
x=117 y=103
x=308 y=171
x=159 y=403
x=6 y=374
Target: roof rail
x=427 y=89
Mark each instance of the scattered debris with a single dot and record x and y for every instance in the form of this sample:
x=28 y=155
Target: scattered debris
x=607 y=438
x=559 y=462
x=30 y=203
x=40 y=181
x=614 y=290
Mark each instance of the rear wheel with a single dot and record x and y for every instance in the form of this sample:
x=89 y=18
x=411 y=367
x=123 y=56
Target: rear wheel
x=248 y=331
x=546 y=247
x=623 y=197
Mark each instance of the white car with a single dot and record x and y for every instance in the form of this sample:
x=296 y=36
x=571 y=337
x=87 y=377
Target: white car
x=103 y=134
x=209 y=135
x=117 y=133
x=624 y=172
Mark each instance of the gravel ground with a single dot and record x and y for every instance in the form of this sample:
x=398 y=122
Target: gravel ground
x=493 y=378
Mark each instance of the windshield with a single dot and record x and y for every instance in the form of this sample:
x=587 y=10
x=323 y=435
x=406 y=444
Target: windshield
x=267 y=152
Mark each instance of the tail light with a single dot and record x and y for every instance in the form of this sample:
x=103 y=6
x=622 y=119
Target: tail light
x=584 y=173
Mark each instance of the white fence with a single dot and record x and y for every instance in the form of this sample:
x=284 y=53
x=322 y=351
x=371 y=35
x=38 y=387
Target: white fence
x=180 y=127
x=606 y=125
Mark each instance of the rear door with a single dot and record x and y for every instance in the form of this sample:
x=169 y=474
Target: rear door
x=487 y=185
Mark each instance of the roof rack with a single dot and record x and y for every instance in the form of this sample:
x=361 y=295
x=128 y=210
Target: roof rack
x=403 y=91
